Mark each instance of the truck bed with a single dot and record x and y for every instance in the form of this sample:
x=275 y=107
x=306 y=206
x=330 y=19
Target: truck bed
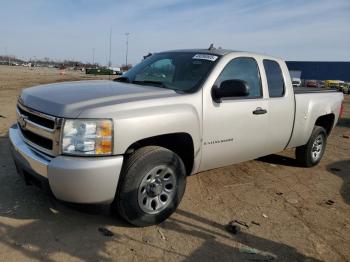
x=310 y=104
x=306 y=90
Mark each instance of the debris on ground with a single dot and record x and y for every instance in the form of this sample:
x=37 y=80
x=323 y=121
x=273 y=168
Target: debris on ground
x=248 y=250
x=233 y=228
x=1 y=116
x=106 y=232
x=292 y=201
x=279 y=193
x=161 y=234
x=147 y=239
x=346 y=136
x=242 y=223
x=273 y=165
x=54 y=211
x=264 y=215
x=335 y=169
x=262 y=256
x=330 y=202
x=255 y=223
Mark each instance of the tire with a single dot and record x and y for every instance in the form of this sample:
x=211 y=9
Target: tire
x=311 y=153
x=151 y=186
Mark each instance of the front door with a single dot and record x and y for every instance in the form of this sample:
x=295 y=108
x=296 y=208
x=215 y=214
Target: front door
x=235 y=130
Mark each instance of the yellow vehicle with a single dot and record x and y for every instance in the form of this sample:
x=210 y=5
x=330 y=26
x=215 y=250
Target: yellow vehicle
x=332 y=84
x=338 y=84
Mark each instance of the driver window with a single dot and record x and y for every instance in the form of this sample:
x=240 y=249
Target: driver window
x=246 y=69
x=162 y=70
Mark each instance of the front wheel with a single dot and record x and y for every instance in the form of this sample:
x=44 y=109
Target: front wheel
x=310 y=154
x=151 y=186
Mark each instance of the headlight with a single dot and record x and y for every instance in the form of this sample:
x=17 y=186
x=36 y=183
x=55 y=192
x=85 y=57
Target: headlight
x=87 y=137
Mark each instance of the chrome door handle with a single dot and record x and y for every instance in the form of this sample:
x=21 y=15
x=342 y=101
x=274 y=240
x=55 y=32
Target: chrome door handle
x=259 y=111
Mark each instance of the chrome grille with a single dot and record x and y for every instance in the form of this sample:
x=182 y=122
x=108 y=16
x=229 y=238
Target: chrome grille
x=39 y=130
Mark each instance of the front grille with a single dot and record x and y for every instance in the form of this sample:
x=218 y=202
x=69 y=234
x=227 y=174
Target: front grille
x=36 y=139
x=39 y=130
x=37 y=119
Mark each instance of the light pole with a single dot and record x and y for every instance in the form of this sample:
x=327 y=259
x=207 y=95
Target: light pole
x=8 y=56
x=93 y=55
x=127 y=49
x=110 y=48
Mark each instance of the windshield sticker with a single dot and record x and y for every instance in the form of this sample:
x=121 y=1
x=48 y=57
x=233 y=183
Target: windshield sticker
x=205 y=57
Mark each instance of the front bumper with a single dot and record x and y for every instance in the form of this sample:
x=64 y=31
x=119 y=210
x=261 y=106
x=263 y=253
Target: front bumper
x=71 y=179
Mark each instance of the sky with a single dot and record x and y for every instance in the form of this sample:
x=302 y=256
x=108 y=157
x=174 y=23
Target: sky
x=316 y=30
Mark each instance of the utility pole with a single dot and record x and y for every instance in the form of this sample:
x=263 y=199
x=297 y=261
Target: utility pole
x=110 y=48
x=127 y=49
x=93 y=55
x=8 y=57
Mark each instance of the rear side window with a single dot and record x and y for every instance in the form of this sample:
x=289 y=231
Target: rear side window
x=274 y=77
x=246 y=69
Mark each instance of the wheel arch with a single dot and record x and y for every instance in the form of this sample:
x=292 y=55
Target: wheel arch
x=181 y=143
x=326 y=121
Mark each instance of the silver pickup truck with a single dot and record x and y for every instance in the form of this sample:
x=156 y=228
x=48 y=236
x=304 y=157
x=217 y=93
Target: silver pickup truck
x=133 y=141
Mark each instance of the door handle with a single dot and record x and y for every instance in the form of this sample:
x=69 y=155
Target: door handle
x=259 y=111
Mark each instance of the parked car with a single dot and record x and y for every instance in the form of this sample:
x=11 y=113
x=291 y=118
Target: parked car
x=311 y=83
x=320 y=84
x=332 y=84
x=296 y=82
x=132 y=142
x=346 y=88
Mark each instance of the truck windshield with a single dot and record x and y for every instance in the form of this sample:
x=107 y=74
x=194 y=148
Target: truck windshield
x=181 y=71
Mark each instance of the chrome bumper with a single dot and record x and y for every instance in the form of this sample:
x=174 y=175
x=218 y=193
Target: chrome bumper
x=71 y=179
x=27 y=156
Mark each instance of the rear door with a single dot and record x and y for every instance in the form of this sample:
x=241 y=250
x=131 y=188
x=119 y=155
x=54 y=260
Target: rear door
x=235 y=130
x=281 y=105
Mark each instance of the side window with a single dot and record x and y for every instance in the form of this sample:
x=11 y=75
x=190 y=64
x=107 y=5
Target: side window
x=246 y=69
x=274 y=77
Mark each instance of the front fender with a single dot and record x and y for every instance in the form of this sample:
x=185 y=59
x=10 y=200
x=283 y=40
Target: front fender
x=134 y=125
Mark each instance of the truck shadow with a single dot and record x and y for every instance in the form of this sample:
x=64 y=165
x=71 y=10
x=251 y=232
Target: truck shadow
x=39 y=227
x=212 y=250
x=279 y=160
x=342 y=170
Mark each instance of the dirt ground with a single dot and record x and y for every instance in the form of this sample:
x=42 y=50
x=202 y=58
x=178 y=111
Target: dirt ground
x=292 y=213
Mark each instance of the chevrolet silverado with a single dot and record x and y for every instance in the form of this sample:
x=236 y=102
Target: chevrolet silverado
x=133 y=141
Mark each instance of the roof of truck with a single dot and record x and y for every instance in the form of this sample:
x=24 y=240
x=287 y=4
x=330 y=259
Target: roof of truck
x=212 y=51
x=218 y=51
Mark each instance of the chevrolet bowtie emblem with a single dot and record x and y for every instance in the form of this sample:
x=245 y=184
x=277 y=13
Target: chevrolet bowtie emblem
x=22 y=121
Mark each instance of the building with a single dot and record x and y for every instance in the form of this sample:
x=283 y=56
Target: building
x=321 y=70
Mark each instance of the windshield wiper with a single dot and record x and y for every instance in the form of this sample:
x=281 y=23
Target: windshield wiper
x=151 y=82
x=123 y=79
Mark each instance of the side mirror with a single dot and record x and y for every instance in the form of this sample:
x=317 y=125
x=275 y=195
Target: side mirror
x=230 y=88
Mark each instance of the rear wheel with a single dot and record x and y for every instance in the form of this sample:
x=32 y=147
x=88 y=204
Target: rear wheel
x=151 y=186
x=311 y=154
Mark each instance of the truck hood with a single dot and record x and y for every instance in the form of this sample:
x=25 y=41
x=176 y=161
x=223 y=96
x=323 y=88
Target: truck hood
x=69 y=99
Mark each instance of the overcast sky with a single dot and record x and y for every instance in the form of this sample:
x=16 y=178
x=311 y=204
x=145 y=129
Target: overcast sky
x=70 y=29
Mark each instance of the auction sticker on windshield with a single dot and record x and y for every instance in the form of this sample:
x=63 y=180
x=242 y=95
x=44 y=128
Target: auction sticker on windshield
x=205 y=57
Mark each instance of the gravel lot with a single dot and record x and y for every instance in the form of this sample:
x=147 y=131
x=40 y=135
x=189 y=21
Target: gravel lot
x=291 y=213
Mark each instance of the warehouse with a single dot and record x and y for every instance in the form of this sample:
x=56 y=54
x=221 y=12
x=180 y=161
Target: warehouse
x=321 y=70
